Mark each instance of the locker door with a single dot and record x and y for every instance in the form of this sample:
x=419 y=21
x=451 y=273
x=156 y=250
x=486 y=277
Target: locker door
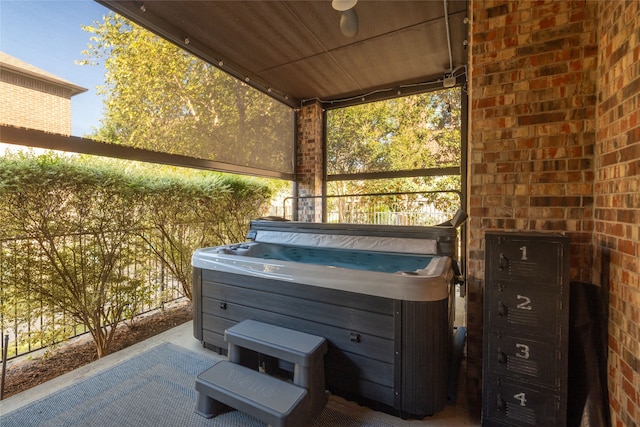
x=526 y=260
x=519 y=405
x=525 y=359
x=533 y=310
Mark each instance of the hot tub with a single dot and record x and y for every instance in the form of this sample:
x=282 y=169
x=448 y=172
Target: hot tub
x=381 y=296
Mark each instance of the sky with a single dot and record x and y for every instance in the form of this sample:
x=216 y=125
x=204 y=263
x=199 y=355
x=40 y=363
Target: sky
x=48 y=35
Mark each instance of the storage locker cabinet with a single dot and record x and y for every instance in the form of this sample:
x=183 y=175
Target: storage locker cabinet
x=526 y=312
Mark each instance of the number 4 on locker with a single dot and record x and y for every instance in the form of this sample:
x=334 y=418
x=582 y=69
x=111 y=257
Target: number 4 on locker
x=521 y=397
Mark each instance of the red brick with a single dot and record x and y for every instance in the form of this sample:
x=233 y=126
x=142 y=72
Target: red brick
x=561 y=164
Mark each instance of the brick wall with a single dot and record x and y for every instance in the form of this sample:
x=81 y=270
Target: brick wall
x=617 y=199
x=554 y=145
x=532 y=135
x=309 y=162
x=35 y=104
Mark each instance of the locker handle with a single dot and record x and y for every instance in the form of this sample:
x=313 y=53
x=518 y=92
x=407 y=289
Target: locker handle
x=223 y=305
x=502 y=309
x=500 y=403
x=502 y=358
x=504 y=262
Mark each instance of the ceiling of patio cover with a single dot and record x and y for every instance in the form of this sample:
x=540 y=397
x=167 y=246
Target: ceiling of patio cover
x=294 y=50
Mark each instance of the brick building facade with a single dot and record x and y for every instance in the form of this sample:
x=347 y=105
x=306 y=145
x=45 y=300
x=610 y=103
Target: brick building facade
x=554 y=145
x=34 y=99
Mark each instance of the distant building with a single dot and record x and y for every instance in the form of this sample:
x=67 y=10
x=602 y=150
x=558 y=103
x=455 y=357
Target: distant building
x=34 y=99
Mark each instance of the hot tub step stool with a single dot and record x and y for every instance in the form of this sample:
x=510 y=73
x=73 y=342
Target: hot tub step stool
x=276 y=402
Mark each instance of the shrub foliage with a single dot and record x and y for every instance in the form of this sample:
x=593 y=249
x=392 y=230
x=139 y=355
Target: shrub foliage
x=74 y=228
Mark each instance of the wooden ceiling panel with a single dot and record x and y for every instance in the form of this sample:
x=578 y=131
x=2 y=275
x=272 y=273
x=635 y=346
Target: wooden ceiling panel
x=264 y=30
x=391 y=61
x=295 y=48
x=324 y=78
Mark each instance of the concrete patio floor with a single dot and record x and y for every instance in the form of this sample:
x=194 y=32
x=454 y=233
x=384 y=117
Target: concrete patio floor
x=451 y=416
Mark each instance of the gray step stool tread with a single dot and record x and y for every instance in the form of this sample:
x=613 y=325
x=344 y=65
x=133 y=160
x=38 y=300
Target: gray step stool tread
x=282 y=343
x=250 y=391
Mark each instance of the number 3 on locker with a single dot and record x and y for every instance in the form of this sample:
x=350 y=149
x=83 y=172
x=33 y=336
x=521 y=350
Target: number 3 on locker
x=522 y=351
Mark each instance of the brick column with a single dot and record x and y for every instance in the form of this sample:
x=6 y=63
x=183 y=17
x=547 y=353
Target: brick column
x=532 y=134
x=309 y=162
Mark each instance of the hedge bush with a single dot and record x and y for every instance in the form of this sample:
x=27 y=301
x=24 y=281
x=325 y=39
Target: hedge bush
x=80 y=222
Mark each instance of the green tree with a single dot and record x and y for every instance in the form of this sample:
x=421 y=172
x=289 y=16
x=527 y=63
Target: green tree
x=358 y=139
x=80 y=220
x=406 y=133
x=402 y=134
x=159 y=97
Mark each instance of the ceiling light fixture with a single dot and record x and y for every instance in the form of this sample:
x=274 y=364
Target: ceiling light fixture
x=349 y=22
x=342 y=5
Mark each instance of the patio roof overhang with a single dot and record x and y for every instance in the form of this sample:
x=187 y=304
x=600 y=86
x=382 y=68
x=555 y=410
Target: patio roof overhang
x=295 y=52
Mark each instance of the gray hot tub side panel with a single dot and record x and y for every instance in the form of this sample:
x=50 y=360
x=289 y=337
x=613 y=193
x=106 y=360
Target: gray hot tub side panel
x=389 y=351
